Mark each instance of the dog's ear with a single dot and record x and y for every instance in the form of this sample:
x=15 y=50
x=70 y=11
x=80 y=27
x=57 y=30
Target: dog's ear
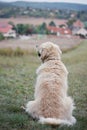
x=44 y=54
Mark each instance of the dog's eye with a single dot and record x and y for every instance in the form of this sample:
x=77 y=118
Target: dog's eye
x=39 y=54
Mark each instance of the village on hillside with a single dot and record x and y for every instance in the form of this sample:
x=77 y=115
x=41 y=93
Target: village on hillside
x=19 y=21
x=60 y=28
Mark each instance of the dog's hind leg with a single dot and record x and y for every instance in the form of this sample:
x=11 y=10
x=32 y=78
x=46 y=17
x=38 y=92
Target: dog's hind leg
x=70 y=108
x=31 y=108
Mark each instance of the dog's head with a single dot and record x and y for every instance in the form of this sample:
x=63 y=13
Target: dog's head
x=48 y=51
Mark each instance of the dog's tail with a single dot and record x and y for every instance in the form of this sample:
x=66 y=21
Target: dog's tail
x=54 y=121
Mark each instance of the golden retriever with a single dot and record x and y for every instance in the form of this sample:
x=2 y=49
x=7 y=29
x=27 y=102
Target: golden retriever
x=52 y=105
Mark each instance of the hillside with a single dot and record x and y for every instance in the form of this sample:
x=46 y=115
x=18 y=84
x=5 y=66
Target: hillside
x=45 y=5
x=3 y=5
x=43 y=10
x=55 y=5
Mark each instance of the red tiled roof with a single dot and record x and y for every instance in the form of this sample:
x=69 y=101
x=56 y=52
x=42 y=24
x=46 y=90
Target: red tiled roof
x=78 y=23
x=60 y=30
x=5 y=27
x=52 y=28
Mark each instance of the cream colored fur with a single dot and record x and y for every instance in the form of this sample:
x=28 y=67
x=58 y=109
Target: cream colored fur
x=52 y=105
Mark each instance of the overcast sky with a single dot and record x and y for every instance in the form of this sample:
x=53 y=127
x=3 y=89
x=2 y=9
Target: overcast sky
x=70 y=1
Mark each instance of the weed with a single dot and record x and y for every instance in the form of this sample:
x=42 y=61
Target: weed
x=16 y=52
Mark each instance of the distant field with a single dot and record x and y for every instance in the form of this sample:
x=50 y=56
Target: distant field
x=31 y=20
x=17 y=79
x=64 y=42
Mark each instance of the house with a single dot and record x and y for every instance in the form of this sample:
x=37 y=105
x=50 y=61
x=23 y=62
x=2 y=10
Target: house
x=76 y=26
x=59 y=31
x=82 y=33
x=7 y=31
x=85 y=24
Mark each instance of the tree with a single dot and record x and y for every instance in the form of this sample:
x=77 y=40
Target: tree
x=22 y=28
x=1 y=36
x=70 y=22
x=43 y=26
x=52 y=23
x=13 y=25
x=42 y=29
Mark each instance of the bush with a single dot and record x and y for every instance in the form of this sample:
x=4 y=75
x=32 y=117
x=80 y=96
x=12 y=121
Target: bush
x=52 y=23
x=16 y=52
x=1 y=36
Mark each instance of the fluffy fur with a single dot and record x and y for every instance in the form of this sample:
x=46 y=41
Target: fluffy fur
x=52 y=105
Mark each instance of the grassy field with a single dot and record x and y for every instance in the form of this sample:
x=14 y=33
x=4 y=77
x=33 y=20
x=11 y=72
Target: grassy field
x=17 y=79
x=32 y=20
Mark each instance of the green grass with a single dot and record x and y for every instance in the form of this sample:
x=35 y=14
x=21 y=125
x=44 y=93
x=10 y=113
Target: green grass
x=17 y=79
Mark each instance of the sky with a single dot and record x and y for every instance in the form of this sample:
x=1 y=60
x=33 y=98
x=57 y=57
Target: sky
x=70 y=1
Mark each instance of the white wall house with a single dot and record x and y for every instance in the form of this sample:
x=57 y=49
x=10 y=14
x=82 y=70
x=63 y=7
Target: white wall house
x=7 y=30
x=10 y=33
